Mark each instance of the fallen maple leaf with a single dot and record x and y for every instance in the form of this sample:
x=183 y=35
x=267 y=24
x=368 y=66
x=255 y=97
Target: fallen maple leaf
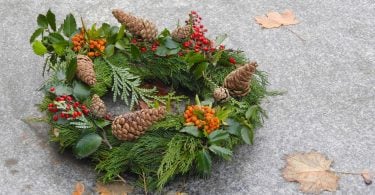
x=367 y=176
x=78 y=189
x=114 y=188
x=312 y=171
x=276 y=19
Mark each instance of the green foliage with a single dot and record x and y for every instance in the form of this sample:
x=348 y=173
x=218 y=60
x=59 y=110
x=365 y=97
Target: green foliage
x=39 y=48
x=103 y=77
x=67 y=136
x=127 y=86
x=87 y=145
x=70 y=25
x=178 y=157
x=43 y=106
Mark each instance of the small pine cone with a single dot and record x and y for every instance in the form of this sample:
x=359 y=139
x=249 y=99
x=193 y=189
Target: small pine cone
x=137 y=26
x=98 y=107
x=181 y=33
x=221 y=94
x=85 y=70
x=131 y=125
x=238 y=81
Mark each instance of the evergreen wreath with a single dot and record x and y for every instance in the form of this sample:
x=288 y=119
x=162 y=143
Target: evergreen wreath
x=155 y=75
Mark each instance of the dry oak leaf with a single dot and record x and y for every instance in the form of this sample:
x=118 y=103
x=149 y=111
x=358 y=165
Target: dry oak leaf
x=312 y=171
x=276 y=19
x=114 y=188
x=78 y=189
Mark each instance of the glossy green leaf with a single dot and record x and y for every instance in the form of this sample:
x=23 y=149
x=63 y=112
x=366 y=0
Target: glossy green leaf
x=220 y=151
x=134 y=50
x=194 y=57
x=56 y=38
x=173 y=51
x=71 y=69
x=251 y=112
x=39 y=48
x=51 y=19
x=199 y=69
x=234 y=127
x=42 y=21
x=120 y=33
x=70 y=25
x=161 y=51
x=170 y=44
x=81 y=91
x=87 y=145
x=36 y=34
x=120 y=44
x=192 y=130
x=204 y=162
x=217 y=136
x=60 y=47
x=63 y=90
x=101 y=123
x=247 y=135
x=109 y=50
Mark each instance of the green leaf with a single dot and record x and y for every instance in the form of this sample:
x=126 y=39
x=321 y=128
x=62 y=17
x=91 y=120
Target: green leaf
x=60 y=47
x=217 y=136
x=223 y=152
x=204 y=162
x=251 y=112
x=81 y=91
x=101 y=123
x=170 y=44
x=36 y=34
x=71 y=69
x=60 y=74
x=63 y=90
x=134 y=50
x=165 y=33
x=87 y=145
x=120 y=34
x=120 y=44
x=105 y=30
x=42 y=21
x=173 y=51
x=161 y=51
x=247 y=135
x=39 y=48
x=200 y=69
x=109 y=50
x=219 y=39
x=192 y=130
x=56 y=38
x=51 y=19
x=70 y=26
x=194 y=57
x=217 y=57
x=233 y=127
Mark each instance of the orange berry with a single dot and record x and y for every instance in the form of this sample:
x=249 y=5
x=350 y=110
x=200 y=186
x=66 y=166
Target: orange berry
x=194 y=118
x=91 y=54
x=101 y=42
x=78 y=47
x=97 y=54
x=102 y=48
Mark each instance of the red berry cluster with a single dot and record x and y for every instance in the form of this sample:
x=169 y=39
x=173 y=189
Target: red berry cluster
x=198 y=41
x=232 y=60
x=66 y=108
x=143 y=48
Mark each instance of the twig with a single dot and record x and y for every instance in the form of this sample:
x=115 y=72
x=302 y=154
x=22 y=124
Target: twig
x=144 y=182
x=346 y=173
x=297 y=35
x=105 y=140
x=121 y=178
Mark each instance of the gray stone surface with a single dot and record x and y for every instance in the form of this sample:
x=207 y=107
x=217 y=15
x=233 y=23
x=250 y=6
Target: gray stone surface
x=329 y=79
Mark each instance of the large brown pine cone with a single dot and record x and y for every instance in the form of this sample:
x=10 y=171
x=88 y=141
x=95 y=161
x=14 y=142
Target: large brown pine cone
x=238 y=81
x=181 y=33
x=85 y=70
x=98 y=107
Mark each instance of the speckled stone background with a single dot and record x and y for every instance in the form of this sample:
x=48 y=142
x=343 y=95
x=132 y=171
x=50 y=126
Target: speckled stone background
x=329 y=78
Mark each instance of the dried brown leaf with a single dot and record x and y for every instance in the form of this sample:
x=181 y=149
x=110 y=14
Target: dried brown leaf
x=367 y=176
x=312 y=171
x=78 y=189
x=276 y=19
x=114 y=188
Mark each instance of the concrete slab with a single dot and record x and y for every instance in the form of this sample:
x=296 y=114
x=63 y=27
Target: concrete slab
x=329 y=77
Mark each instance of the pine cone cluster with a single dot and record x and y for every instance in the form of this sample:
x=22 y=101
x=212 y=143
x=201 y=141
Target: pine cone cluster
x=238 y=81
x=131 y=125
x=221 y=94
x=181 y=33
x=85 y=70
x=137 y=26
x=98 y=107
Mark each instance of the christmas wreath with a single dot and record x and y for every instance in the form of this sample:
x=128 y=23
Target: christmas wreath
x=190 y=99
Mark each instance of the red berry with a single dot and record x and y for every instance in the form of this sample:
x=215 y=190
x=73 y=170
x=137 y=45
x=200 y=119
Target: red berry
x=52 y=89
x=186 y=44
x=196 y=50
x=51 y=105
x=55 y=117
x=193 y=12
x=232 y=60
x=134 y=41
x=69 y=98
x=221 y=47
x=180 y=53
x=143 y=49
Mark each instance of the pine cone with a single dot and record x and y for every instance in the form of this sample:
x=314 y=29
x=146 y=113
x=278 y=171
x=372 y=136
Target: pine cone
x=137 y=26
x=85 y=70
x=131 y=125
x=238 y=81
x=221 y=94
x=181 y=33
x=98 y=107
